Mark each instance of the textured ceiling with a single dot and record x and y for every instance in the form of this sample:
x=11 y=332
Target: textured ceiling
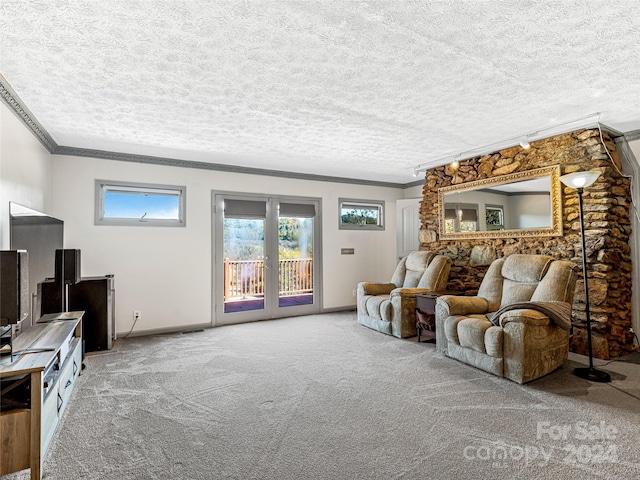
x=355 y=89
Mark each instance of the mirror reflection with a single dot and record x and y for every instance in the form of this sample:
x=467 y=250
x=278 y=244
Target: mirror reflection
x=525 y=204
x=521 y=204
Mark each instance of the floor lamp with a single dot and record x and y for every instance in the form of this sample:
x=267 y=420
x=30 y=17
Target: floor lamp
x=579 y=181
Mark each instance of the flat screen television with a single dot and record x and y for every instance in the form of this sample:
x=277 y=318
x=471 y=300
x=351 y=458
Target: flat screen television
x=14 y=297
x=14 y=287
x=40 y=235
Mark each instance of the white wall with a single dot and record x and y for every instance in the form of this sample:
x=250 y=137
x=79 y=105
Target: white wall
x=25 y=170
x=166 y=272
x=635 y=237
x=414 y=192
x=530 y=211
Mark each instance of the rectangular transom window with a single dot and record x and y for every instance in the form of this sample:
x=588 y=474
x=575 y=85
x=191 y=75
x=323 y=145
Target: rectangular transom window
x=140 y=204
x=361 y=214
x=495 y=217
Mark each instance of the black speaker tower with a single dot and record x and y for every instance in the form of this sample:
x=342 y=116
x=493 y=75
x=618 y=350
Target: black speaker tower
x=67 y=266
x=67 y=272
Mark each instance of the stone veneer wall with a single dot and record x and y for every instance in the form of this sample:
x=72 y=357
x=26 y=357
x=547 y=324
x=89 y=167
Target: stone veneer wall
x=607 y=232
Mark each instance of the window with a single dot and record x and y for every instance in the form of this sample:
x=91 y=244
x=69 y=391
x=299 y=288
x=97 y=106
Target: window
x=361 y=214
x=140 y=204
x=460 y=217
x=495 y=217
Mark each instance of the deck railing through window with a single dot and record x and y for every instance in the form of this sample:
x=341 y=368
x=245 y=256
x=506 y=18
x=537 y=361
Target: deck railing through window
x=245 y=278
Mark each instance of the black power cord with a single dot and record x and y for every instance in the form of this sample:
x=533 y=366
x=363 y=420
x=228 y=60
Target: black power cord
x=135 y=320
x=618 y=359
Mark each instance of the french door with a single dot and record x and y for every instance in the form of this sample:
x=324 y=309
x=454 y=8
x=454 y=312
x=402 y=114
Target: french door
x=266 y=257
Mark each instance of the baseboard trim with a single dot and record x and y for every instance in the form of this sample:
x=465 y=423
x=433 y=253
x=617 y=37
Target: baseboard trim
x=161 y=331
x=202 y=326
x=339 y=309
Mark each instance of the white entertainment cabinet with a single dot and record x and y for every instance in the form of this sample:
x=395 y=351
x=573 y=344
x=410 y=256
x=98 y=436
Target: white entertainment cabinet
x=47 y=370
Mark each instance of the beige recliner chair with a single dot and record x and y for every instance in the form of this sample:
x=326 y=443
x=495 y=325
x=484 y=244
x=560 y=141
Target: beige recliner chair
x=390 y=307
x=529 y=337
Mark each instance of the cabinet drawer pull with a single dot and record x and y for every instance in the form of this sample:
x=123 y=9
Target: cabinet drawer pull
x=60 y=402
x=68 y=383
x=75 y=368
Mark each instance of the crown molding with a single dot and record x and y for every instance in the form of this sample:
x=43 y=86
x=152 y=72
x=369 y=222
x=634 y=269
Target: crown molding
x=631 y=136
x=613 y=133
x=176 y=162
x=12 y=100
x=415 y=183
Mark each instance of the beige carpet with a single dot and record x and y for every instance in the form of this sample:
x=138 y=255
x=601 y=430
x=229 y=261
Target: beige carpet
x=322 y=397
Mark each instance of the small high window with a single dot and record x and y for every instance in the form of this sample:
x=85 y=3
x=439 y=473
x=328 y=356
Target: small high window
x=361 y=214
x=140 y=204
x=495 y=217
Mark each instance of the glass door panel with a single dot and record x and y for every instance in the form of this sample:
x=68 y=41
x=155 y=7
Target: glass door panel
x=265 y=257
x=244 y=255
x=295 y=255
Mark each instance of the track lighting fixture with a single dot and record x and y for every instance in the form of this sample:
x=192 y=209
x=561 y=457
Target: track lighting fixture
x=592 y=120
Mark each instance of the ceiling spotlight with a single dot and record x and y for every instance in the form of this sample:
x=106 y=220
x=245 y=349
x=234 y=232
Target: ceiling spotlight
x=523 y=140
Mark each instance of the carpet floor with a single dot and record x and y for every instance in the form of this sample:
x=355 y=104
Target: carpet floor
x=322 y=397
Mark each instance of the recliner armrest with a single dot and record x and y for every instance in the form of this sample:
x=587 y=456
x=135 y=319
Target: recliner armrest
x=368 y=288
x=526 y=316
x=408 y=292
x=459 y=305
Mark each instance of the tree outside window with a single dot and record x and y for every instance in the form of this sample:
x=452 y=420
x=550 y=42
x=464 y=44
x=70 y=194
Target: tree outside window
x=361 y=214
x=495 y=217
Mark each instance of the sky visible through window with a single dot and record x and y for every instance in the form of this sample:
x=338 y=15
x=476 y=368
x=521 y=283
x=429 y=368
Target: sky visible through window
x=138 y=205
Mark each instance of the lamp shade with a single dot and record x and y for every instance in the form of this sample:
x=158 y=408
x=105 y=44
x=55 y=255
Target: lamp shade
x=580 y=179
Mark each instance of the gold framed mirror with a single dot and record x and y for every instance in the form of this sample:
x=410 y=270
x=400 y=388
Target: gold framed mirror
x=523 y=204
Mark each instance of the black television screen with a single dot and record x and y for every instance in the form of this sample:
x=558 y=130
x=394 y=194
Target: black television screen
x=40 y=235
x=14 y=287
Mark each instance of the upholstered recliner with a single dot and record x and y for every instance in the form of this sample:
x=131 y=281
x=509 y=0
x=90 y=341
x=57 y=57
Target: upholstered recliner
x=529 y=337
x=390 y=307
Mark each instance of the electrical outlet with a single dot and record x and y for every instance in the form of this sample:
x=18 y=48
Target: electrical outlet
x=353 y=294
x=137 y=315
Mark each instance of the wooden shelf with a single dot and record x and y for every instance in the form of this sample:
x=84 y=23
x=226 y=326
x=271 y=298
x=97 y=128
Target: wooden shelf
x=58 y=341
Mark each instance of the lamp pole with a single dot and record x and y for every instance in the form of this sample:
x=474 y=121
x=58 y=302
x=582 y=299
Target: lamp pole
x=578 y=181
x=589 y=373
